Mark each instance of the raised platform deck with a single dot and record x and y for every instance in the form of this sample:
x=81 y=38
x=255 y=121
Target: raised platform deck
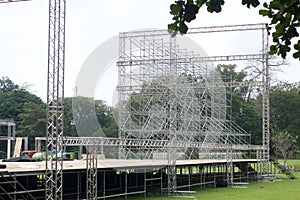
x=124 y=177
x=17 y=167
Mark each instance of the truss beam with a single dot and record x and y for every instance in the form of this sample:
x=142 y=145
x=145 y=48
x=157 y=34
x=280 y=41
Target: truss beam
x=55 y=99
x=91 y=173
x=11 y=1
x=55 y=96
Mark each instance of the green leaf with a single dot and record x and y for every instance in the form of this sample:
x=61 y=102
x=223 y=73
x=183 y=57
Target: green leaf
x=297 y=54
x=182 y=28
x=287 y=42
x=265 y=5
x=190 y=12
x=292 y=32
x=275 y=36
x=264 y=12
x=275 y=4
x=172 y=26
x=297 y=46
x=273 y=50
x=282 y=51
x=215 y=5
x=174 y=9
x=200 y=3
x=250 y=3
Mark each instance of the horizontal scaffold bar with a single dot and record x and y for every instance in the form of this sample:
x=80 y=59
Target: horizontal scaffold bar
x=196 y=30
x=196 y=59
x=209 y=85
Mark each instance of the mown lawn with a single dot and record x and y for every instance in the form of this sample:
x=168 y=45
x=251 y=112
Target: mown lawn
x=282 y=189
x=285 y=189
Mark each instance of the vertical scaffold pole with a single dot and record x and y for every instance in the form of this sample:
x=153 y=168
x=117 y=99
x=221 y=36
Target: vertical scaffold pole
x=266 y=103
x=172 y=151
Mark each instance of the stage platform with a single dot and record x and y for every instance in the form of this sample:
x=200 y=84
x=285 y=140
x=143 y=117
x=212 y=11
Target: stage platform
x=117 y=177
x=105 y=164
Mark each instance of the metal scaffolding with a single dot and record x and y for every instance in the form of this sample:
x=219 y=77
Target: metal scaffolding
x=168 y=93
x=11 y=133
x=55 y=96
x=91 y=173
x=55 y=99
x=151 y=144
x=172 y=103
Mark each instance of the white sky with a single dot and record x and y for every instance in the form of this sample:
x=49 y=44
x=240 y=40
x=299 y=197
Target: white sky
x=24 y=35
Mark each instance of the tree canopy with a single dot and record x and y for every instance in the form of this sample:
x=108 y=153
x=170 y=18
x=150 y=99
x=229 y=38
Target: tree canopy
x=7 y=85
x=12 y=102
x=242 y=109
x=29 y=112
x=88 y=117
x=283 y=14
x=284 y=108
x=32 y=122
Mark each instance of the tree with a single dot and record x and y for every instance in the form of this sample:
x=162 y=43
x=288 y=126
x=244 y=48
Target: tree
x=6 y=85
x=244 y=109
x=229 y=74
x=91 y=117
x=12 y=102
x=32 y=122
x=69 y=123
x=284 y=112
x=284 y=145
x=23 y=107
x=283 y=14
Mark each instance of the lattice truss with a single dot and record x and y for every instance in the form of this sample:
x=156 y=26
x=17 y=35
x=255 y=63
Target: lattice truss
x=167 y=92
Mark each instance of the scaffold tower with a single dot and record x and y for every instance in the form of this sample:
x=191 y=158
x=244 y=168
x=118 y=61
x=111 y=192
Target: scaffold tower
x=167 y=92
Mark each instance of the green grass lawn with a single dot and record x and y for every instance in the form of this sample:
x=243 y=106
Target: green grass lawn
x=284 y=189
x=281 y=189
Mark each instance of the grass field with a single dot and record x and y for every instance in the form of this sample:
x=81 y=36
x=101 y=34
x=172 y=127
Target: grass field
x=285 y=189
x=282 y=189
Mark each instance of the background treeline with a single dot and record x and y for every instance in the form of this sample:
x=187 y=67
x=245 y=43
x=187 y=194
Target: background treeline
x=29 y=111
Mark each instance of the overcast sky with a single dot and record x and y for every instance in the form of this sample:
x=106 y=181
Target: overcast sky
x=24 y=35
